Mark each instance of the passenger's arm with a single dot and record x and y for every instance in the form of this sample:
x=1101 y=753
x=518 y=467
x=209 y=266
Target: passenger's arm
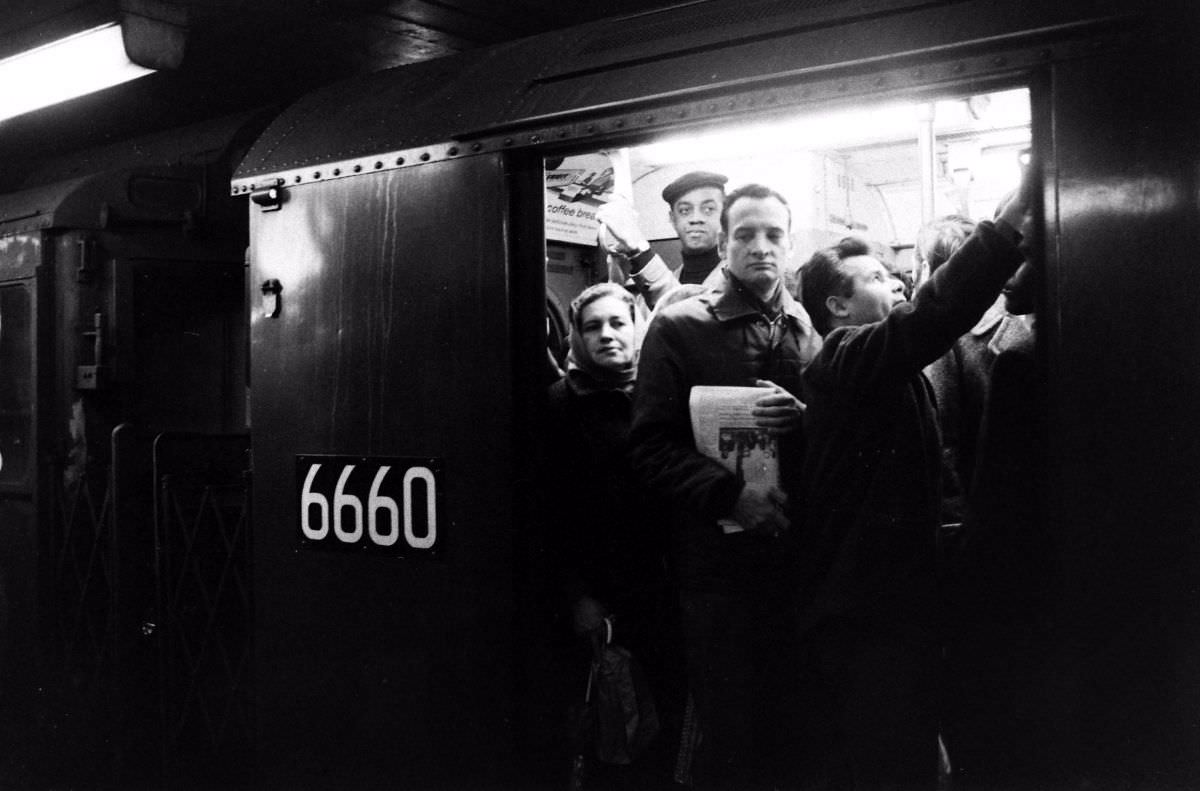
x=761 y=507
x=618 y=231
x=943 y=309
x=652 y=277
x=621 y=237
x=663 y=452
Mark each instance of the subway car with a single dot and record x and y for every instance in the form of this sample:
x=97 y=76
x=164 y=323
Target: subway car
x=271 y=413
x=124 y=457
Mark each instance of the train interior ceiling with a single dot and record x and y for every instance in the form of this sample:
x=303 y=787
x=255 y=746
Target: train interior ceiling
x=876 y=171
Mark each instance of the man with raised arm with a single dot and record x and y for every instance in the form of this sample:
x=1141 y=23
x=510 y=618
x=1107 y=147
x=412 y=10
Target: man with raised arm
x=871 y=499
x=695 y=200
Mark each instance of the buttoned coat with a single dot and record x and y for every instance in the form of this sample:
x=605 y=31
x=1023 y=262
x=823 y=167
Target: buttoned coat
x=717 y=338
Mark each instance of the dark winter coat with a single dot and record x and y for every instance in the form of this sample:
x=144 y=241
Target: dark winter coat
x=871 y=474
x=717 y=338
x=605 y=538
x=960 y=382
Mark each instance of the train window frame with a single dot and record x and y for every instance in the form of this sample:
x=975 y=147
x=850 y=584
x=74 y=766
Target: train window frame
x=1034 y=86
x=529 y=242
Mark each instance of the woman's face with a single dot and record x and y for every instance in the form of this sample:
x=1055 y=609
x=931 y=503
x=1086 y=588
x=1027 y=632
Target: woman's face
x=607 y=325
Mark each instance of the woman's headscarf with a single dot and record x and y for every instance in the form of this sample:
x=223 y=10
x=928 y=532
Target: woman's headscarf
x=579 y=361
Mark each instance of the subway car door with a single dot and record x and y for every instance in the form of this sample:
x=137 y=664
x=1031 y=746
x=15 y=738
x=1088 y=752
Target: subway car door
x=381 y=403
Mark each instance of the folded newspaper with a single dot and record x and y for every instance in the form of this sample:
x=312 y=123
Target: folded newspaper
x=724 y=430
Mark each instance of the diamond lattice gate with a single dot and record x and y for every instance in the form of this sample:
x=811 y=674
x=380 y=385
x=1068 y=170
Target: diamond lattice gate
x=202 y=571
x=80 y=697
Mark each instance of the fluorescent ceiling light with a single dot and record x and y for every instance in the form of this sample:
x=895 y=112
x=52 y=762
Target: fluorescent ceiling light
x=77 y=65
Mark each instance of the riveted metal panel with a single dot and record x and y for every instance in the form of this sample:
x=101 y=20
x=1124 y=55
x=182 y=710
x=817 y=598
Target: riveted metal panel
x=391 y=339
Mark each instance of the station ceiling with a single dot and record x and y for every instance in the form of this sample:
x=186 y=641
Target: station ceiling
x=244 y=54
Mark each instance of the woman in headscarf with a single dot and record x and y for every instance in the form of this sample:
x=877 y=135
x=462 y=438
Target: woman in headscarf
x=605 y=539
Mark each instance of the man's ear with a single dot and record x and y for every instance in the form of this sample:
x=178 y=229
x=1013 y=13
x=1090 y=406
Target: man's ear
x=837 y=306
x=722 y=240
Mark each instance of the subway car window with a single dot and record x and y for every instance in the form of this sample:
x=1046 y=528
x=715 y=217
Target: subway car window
x=16 y=384
x=877 y=172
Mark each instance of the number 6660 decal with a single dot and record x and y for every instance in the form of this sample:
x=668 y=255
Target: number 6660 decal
x=381 y=505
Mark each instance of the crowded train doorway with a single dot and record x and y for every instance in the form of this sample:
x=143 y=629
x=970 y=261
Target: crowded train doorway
x=882 y=172
x=875 y=171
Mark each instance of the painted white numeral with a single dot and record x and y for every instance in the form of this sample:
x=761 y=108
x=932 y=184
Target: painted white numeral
x=309 y=498
x=380 y=502
x=430 y=536
x=341 y=501
x=350 y=530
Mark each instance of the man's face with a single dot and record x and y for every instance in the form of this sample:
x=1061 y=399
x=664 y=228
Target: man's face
x=697 y=218
x=875 y=292
x=759 y=243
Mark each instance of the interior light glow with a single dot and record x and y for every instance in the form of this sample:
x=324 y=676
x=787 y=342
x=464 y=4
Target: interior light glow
x=842 y=129
x=80 y=64
x=827 y=130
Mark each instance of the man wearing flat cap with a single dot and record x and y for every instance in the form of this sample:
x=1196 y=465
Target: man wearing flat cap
x=695 y=201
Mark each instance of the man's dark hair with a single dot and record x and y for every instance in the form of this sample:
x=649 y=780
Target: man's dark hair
x=757 y=191
x=939 y=239
x=822 y=277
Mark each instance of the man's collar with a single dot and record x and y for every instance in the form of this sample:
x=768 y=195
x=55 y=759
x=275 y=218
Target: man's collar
x=990 y=319
x=1012 y=331
x=696 y=267
x=703 y=258
x=734 y=300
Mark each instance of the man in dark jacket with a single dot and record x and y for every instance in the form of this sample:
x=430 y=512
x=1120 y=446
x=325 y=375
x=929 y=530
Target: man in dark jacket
x=871 y=495
x=736 y=587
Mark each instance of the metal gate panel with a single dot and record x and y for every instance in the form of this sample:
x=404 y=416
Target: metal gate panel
x=83 y=572
x=202 y=574
x=81 y=612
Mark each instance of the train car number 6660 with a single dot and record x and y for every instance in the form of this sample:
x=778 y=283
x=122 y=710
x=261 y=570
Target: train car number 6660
x=381 y=505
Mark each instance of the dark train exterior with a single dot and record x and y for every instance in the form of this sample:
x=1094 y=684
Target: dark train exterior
x=374 y=504
x=124 y=459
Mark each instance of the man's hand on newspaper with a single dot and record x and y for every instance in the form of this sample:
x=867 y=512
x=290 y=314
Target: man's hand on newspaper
x=760 y=508
x=619 y=232
x=779 y=412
